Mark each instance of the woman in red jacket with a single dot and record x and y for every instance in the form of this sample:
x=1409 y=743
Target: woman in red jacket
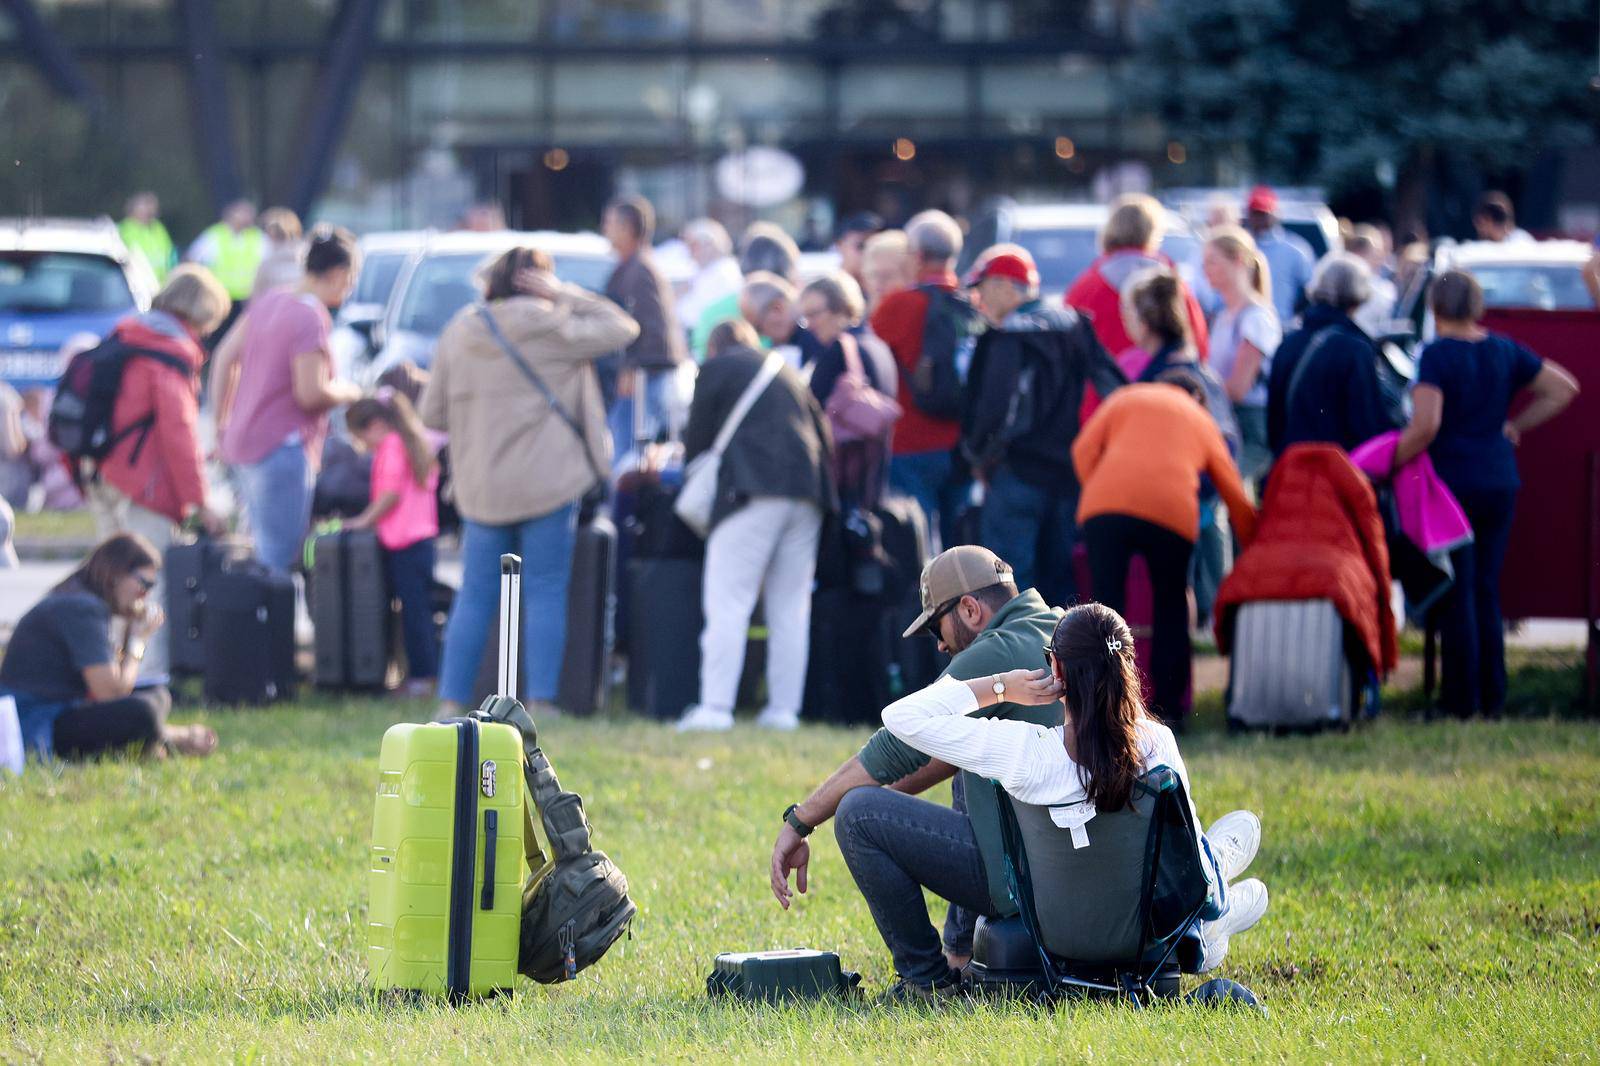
x=153 y=479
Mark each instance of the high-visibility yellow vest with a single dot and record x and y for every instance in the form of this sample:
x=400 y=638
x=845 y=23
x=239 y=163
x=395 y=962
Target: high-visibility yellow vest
x=151 y=240
x=237 y=257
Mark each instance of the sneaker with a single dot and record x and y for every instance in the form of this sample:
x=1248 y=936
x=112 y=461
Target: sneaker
x=779 y=721
x=702 y=719
x=1247 y=902
x=907 y=993
x=1235 y=838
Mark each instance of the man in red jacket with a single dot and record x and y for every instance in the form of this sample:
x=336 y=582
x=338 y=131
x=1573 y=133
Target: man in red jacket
x=153 y=479
x=922 y=465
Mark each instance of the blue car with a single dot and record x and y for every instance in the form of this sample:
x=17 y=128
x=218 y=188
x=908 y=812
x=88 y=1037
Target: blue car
x=58 y=280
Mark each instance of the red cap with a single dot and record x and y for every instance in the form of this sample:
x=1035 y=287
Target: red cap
x=1017 y=265
x=1263 y=199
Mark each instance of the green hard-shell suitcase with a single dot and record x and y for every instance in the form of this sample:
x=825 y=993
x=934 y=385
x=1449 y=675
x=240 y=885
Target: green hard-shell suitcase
x=447 y=859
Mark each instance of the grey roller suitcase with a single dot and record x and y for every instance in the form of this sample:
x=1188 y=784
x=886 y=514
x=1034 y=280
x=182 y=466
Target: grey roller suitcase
x=350 y=611
x=1289 y=668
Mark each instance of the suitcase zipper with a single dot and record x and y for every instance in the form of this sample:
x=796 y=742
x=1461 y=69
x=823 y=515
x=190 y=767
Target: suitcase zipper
x=458 y=955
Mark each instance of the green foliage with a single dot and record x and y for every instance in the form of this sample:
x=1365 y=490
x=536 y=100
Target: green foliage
x=1329 y=91
x=1436 y=894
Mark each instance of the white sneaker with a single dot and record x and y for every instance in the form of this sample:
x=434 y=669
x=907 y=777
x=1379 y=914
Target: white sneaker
x=1235 y=838
x=1247 y=902
x=702 y=719
x=779 y=721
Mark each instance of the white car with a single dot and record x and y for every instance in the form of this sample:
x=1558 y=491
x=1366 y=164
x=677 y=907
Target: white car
x=1547 y=275
x=383 y=258
x=441 y=279
x=60 y=278
x=1064 y=239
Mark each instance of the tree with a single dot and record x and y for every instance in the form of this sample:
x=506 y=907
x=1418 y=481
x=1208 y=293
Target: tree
x=1352 y=93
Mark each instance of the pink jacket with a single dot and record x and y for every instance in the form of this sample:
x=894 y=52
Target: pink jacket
x=1430 y=517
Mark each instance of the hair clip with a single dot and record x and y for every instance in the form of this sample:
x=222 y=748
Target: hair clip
x=384 y=393
x=1114 y=645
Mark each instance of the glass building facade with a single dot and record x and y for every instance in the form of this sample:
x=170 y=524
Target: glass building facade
x=551 y=106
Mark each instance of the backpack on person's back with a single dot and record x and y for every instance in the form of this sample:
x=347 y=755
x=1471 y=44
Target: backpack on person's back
x=949 y=332
x=80 y=421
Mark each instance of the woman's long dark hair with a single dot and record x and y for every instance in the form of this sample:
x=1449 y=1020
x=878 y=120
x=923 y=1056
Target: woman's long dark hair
x=112 y=560
x=1094 y=649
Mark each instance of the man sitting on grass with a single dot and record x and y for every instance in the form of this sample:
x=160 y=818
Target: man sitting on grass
x=971 y=606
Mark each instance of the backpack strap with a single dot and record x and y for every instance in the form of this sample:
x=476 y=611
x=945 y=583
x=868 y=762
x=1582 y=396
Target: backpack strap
x=141 y=426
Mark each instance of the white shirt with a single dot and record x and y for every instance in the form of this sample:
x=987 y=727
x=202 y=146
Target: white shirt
x=1030 y=761
x=710 y=283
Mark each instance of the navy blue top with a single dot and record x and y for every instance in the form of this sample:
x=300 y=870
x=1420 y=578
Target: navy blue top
x=1479 y=380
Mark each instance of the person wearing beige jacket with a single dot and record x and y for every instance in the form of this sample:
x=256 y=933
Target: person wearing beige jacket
x=519 y=467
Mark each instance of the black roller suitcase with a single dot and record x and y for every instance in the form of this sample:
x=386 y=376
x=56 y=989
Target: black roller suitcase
x=248 y=634
x=913 y=663
x=591 y=607
x=189 y=567
x=666 y=620
x=351 y=611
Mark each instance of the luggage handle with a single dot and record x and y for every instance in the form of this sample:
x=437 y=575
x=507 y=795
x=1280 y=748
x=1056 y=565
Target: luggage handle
x=510 y=623
x=491 y=823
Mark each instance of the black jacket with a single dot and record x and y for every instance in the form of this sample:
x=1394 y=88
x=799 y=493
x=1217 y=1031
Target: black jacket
x=782 y=448
x=1338 y=398
x=1045 y=370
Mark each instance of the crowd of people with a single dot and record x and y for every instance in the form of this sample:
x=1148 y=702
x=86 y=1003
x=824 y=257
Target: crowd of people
x=1071 y=439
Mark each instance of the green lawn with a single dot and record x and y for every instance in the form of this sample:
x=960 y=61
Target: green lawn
x=1436 y=892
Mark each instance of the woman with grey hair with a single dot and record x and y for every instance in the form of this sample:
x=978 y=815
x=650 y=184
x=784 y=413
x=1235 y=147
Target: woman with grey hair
x=1324 y=384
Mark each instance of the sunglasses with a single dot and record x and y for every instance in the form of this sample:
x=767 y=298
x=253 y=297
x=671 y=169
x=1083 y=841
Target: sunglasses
x=1050 y=655
x=938 y=616
x=145 y=583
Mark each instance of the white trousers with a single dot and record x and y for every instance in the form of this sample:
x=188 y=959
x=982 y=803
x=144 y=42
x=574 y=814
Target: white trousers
x=767 y=550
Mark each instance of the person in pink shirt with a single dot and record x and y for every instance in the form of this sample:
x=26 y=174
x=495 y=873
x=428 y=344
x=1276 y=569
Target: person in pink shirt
x=273 y=383
x=405 y=513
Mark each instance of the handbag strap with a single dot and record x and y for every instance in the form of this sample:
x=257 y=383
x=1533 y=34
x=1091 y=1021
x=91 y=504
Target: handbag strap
x=852 y=358
x=1305 y=360
x=544 y=390
x=747 y=399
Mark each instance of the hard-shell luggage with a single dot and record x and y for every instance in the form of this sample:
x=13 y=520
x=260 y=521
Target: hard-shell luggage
x=847 y=674
x=1290 y=669
x=247 y=635
x=591 y=607
x=447 y=859
x=188 y=567
x=664 y=643
x=351 y=610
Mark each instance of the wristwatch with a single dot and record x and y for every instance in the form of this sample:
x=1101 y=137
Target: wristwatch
x=999 y=688
x=801 y=828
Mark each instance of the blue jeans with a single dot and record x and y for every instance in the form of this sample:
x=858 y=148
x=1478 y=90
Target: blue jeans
x=277 y=503
x=410 y=573
x=1034 y=530
x=658 y=394
x=545 y=544
x=1471 y=631
x=929 y=478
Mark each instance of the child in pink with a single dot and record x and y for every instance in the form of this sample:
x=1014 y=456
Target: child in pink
x=404 y=511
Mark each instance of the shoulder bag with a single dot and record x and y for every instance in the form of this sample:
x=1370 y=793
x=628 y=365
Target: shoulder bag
x=698 y=497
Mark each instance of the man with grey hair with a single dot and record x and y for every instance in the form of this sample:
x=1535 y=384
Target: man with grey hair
x=717 y=273
x=930 y=329
x=1324 y=384
x=767 y=302
x=764 y=247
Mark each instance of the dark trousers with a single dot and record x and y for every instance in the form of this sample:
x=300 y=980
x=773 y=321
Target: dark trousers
x=1471 y=631
x=92 y=729
x=1034 y=530
x=897 y=845
x=1112 y=541
x=410 y=573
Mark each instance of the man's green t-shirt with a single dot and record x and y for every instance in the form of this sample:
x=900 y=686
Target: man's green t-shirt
x=1014 y=639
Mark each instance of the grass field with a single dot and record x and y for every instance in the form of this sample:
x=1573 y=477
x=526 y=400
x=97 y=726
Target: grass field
x=1436 y=894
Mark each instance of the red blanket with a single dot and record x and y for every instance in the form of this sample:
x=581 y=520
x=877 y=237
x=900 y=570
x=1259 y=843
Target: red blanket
x=1319 y=537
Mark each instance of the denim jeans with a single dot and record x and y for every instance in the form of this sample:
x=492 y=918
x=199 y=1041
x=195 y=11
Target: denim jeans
x=661 y=403
x=1471 y=631
x=277 y=503
x=929 y=478
x=1034 y=530
x=896 y=845
x=545 y=544
x=410 y=573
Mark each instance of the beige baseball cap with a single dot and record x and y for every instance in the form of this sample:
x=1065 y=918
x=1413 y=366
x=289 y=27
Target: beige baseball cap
x=952 y=574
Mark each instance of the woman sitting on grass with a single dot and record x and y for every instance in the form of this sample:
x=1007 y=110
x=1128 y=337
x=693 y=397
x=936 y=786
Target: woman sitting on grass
x=1089 y=764
x=75 y=697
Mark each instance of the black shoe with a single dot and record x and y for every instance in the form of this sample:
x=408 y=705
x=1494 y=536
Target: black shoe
x=906 y=993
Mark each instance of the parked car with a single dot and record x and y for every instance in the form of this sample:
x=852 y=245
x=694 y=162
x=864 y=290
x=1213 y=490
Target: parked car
x=383 y=258
x=440 y=280
x=1064 y=239
x=60 y=278
x=1302 y=212
x=1547 y=275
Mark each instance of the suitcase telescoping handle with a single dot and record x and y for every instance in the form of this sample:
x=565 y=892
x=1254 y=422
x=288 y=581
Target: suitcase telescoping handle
x=510 y=622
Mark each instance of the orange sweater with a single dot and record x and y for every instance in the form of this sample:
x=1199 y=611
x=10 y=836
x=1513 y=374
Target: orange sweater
x=1142 y=454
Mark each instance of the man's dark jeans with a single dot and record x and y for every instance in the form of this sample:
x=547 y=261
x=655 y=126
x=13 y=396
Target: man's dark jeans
x=897 y=845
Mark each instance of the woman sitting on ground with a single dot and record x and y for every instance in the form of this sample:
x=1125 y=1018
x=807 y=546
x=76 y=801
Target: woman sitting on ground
x=1088 y=764
x=76 y=697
